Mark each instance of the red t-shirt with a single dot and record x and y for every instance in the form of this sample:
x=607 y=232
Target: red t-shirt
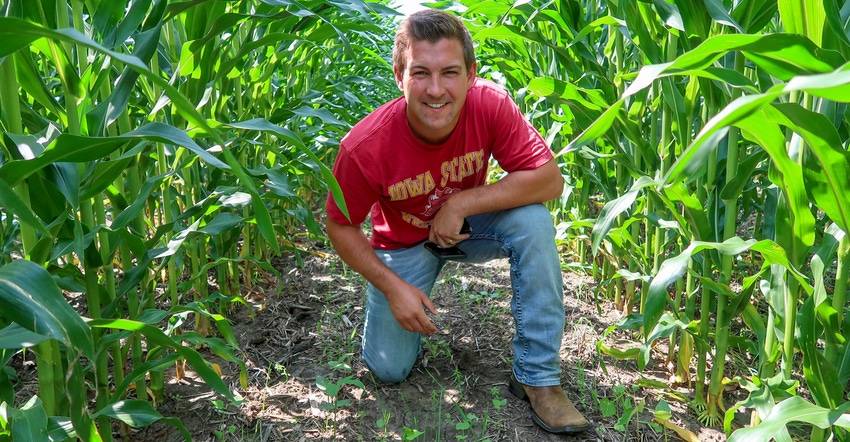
x=383 y=168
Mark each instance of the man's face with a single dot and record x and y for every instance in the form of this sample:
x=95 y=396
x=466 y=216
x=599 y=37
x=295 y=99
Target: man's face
x=434 y=82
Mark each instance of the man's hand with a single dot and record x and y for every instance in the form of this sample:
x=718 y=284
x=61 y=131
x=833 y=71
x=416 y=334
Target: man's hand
x=407 y=304
x=406 y=301
x=445 y=228
x=518 y=188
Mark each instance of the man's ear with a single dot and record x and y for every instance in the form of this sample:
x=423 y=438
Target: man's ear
x=398 y=78
x=470 y=76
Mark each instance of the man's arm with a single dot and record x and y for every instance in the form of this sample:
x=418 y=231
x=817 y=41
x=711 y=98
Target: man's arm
x=517 y=189
x=406 y=301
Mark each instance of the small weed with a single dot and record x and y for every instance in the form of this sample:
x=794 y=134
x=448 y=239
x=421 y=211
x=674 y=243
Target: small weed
x=436 y=348
x=410 y=434
x=498 y=401
x=382 y=424
x=466 y=424
x=224 y=432
x=332 y=388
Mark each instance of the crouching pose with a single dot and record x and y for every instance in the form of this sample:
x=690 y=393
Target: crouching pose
x=418 y=165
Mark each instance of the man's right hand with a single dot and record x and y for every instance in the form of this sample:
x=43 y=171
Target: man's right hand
x=407 y=305
x=406 y=301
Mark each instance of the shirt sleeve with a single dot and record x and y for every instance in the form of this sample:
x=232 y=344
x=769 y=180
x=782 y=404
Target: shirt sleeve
x=358 y=194
x=517 y=145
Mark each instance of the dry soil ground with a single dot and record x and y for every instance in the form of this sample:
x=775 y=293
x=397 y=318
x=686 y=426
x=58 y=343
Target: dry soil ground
x=309 y=334
x=302 y=340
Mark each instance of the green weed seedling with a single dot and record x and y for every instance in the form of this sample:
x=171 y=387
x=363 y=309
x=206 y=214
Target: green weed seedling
x=410 y=434
x=466 y=423
x=224 y=432
x=332 y=388
x=382 y=423
x=498 y=401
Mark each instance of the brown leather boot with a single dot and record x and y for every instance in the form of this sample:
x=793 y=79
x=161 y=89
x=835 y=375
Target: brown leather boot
x=551 y=409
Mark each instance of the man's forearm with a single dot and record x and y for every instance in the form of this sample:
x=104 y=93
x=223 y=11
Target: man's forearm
x=353 y=247
x=516 y=189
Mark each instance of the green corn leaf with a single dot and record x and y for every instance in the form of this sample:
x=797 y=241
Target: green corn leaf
x=137 y=414
x=596 y=130
x=66 y=178
x=292 y=138
x=733 y=189
x=825 y=162
x=843 y=365
x=66 y=148
x=694 y=16
x=821 y=376
x=759 y=399
x=833 y=15
x=562 y=92
x=640 y=23
x=29 y=423
x=221 y=223
x=782 y=55
x=60 y=428
x=136 y=15
x=139 y=202
x=694 y=212
x=102 y=176
x=155 y=336
x=614 y=209
x=793 y=409
x=169 y=134
x=754 y=15
x=720 y=15
x=30 y=297
x=12 y=203
x=77 y=393
x=141 y=371
x=30 y=80
x=674 y=268
x=804 y=17
x=833 y=85
x=65 y=67
x=787 y=174
x=13 y=336
x=693 y=158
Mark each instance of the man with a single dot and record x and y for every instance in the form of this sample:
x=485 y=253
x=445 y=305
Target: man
x=418 y=164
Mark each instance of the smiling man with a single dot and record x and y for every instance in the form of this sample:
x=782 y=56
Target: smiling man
x=418 y=166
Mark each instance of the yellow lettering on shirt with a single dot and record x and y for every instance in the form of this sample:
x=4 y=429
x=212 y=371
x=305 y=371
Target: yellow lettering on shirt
x=412 y=187
x=454 y=170
x=414 y=220
x=460 y=167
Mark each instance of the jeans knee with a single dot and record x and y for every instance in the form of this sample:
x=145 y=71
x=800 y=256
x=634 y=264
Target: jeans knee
x=389 y=369
x=530 y=222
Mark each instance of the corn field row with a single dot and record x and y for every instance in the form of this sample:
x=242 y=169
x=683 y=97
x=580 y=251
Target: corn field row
x=156 y=155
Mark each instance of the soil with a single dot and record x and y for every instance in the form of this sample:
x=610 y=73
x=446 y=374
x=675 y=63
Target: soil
x=305 y=331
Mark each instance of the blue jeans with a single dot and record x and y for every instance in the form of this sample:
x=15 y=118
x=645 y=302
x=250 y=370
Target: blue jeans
x=526 y=236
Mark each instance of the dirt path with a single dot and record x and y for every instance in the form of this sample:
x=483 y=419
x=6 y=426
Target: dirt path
x=309 y=335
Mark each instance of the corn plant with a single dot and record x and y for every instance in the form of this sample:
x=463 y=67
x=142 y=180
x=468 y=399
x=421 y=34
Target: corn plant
x=155 y=156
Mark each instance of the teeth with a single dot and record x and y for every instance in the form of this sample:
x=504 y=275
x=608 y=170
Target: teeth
x=436 y=105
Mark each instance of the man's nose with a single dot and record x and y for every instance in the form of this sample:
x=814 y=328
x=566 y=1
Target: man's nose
x=435 y=85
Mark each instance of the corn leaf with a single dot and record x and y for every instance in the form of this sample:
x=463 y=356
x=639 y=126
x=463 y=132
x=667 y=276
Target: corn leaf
x=825 y=162
x=793 y=409
x=28 y=423
x=30 y=297
x=157 y=337
x=138 y=413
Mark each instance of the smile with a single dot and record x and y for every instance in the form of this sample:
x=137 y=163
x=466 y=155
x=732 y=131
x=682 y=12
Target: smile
x=435 y=105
